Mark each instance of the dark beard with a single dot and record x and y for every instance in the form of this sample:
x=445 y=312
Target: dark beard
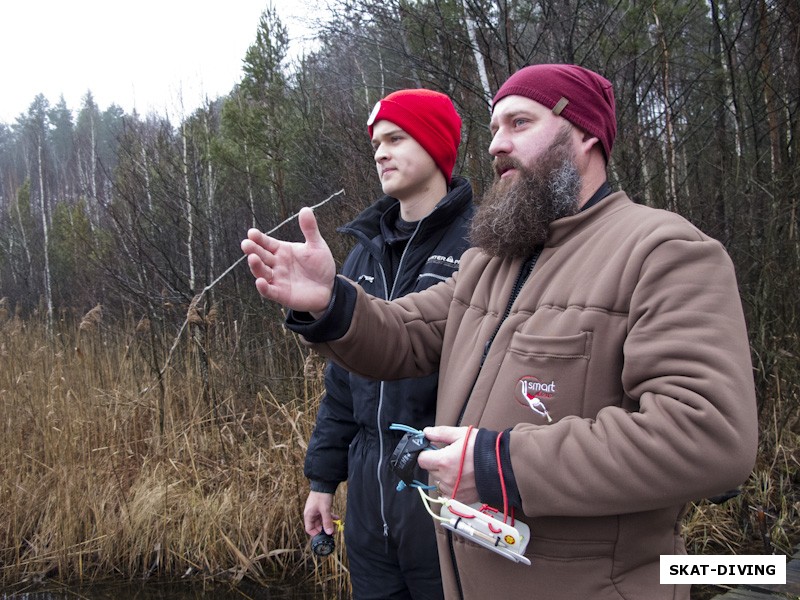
x=514 y=218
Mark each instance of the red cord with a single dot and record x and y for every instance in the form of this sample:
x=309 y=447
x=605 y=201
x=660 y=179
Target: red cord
x=502 y=479
x=459 y=514
x=485 y=507
x=461 y=464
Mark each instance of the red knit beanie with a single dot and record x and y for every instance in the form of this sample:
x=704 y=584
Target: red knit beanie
x=427 y=116
x=582 y=97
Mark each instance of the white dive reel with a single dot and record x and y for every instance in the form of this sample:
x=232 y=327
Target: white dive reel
x=480 y=526
x=477 y=522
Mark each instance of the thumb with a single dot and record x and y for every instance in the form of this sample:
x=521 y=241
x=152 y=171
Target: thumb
x=308 y=225
x=442 y=434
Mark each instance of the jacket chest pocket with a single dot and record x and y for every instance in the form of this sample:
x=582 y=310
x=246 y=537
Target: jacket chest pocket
x=542 y=379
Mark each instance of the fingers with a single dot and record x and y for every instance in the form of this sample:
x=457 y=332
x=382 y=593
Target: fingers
x=311 y=524
x=261 y=239
x=430 y=460
x=317 y=514
x=327 y=522
x=265 y=288
x=258 y=240
x=444 y=434
x=259 y=259
x=253 y=243
x=263 y=275
x=258 y=267
x=438 y=466
x=259 y=245
x=452 y=463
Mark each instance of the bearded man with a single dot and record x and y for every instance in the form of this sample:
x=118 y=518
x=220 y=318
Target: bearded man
x=594 y=366
x=546 y=191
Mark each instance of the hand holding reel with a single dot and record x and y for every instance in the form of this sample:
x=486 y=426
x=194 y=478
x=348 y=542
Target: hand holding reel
x=476 y=522
x=323 y=543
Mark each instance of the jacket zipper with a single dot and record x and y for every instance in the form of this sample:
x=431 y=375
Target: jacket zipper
x=379 y=474
x=523 y=276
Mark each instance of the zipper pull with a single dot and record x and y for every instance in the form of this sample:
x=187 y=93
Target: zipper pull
x=486 y=347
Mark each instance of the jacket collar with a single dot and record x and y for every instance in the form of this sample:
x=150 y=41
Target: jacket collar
x=367 y=223
x=601 y=193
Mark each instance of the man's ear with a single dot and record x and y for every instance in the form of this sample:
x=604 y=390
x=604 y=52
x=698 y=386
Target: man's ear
x=589 y=140
x=586 y=145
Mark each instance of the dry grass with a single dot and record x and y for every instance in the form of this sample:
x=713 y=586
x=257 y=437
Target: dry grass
x=107 y=471
x=765 y=518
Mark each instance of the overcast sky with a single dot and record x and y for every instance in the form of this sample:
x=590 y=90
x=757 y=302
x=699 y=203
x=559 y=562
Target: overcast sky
x=148 y=54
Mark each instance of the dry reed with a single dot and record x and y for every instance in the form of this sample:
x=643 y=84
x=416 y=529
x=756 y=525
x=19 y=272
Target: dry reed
x=95 y=484
x=765 y=517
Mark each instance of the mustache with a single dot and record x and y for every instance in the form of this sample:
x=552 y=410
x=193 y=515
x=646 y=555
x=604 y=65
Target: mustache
x=503 y=163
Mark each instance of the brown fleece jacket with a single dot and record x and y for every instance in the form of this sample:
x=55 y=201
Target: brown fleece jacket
x=629 y=334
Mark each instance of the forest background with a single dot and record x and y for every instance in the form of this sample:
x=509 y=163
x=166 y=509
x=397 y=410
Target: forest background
x=154 y=412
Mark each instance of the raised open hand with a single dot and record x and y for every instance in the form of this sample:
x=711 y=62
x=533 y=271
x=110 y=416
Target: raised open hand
x=297 y=275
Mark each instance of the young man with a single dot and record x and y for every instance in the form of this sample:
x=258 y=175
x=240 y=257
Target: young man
x=597 y=348
x=408 y=240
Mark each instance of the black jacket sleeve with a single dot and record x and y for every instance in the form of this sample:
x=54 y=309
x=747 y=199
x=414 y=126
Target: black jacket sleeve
x=487 y=470
x=326 y=457
x=334 y=323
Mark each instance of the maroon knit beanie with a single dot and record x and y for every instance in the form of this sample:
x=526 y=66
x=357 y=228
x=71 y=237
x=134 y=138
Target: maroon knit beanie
x=582 y=97
x=427 y=116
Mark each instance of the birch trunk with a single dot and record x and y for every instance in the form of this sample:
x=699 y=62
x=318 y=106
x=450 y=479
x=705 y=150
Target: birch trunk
x=476 y=52
x=93 y=171
x=48 y=292
x=146 y=172
x=188 y=212
x=647 y=190
x=669 y=138
x=249 y=177
x=211 y=188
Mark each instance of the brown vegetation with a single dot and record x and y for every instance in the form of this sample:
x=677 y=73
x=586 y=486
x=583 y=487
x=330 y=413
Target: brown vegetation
x=93 y=487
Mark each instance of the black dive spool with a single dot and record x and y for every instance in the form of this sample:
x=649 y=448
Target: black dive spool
x=322 y=544
x=404 y=458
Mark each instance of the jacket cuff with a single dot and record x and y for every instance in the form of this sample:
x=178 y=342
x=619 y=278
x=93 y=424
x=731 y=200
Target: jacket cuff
x=325 y=487
x=487 y=474
x=334 y=322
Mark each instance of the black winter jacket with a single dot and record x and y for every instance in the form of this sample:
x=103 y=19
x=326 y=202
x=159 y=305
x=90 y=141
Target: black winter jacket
x=356 y=411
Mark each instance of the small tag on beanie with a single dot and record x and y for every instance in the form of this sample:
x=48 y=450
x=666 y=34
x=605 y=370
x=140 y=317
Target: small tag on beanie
x=560 y=105
x=374 y=114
